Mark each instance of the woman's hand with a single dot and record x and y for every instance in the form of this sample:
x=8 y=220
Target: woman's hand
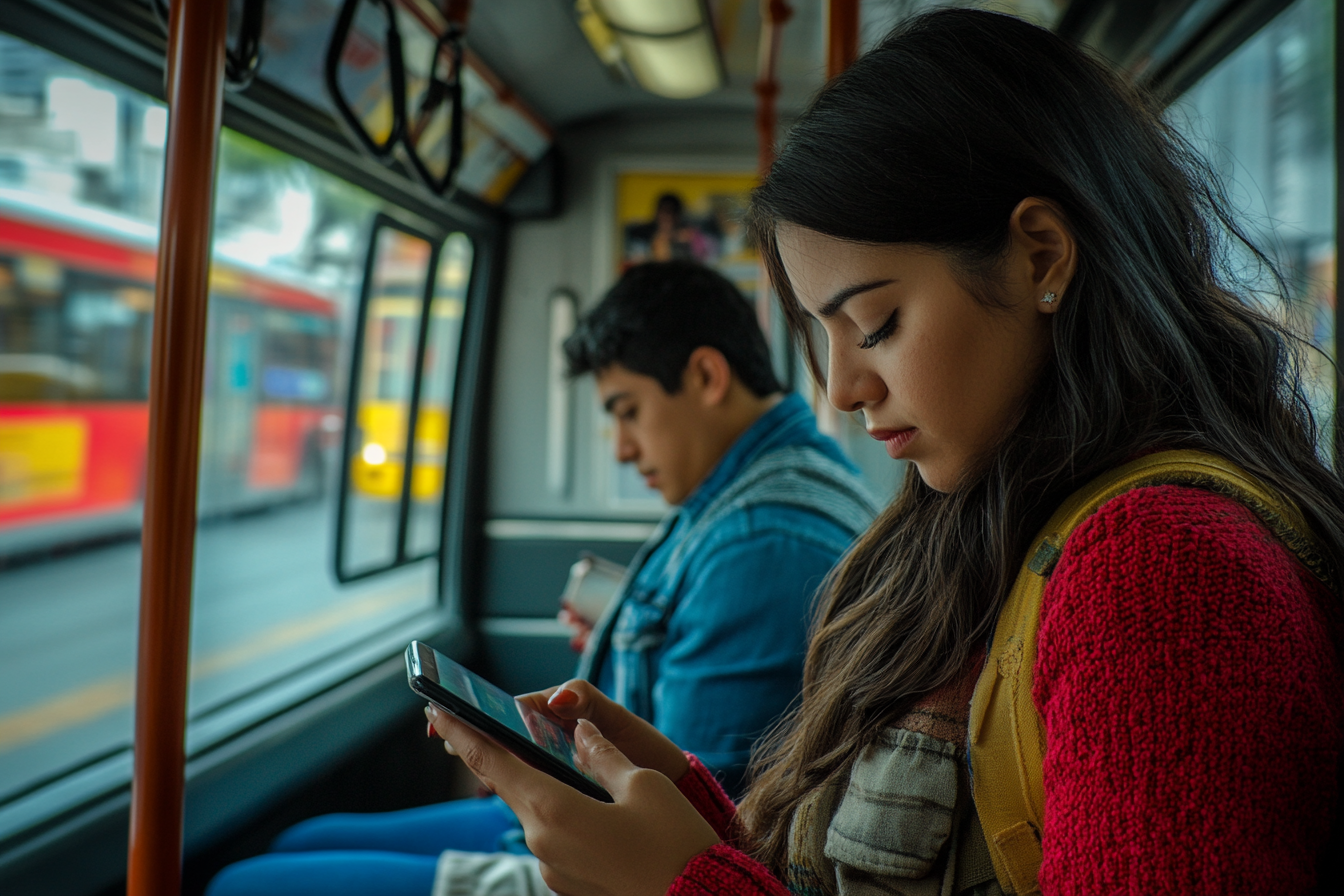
x=642 y=743
x=635 y=846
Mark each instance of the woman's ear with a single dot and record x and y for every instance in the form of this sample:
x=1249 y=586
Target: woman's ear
x=710 y=375
x=1043 y=253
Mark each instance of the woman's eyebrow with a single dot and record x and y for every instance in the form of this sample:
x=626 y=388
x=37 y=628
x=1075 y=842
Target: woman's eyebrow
x=828 y=310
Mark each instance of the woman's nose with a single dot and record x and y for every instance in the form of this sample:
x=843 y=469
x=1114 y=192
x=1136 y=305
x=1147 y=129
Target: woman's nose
x=851 y=384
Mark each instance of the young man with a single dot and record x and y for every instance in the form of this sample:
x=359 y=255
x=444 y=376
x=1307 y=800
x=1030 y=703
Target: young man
x=707 y=636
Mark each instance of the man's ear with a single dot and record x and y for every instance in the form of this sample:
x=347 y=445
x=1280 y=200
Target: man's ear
x=709 y=374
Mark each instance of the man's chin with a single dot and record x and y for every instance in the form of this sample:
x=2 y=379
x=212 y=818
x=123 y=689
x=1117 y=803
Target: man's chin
x=671 y=496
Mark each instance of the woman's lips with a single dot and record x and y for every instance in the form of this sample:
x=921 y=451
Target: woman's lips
x=895 y=439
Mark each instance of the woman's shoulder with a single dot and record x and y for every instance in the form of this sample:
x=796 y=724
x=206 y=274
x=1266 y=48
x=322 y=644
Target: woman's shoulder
x=1186 y=677
x=1190 y=531
x=1169 y=561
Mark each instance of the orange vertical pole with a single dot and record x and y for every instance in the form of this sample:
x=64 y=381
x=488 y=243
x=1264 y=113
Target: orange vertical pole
x=842 y=35
x=774 y=13
x=195 y=63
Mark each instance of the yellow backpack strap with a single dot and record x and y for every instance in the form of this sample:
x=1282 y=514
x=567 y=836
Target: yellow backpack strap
x=1007 y=740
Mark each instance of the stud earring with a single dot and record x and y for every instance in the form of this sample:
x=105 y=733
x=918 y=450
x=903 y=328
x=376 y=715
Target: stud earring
x=1048 y=298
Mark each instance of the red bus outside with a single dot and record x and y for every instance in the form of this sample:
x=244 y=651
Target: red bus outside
x=76 y=301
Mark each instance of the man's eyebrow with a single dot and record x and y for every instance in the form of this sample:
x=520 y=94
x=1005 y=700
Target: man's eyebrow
x=828 y=310
x=612 y=399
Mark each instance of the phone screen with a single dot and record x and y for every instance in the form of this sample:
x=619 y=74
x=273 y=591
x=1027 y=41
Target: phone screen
x=529 y=727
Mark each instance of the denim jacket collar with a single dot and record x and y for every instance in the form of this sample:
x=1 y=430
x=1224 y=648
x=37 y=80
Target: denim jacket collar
x=776 y=426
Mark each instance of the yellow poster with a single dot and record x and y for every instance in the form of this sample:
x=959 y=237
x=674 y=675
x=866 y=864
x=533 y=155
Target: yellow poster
x=41 y=460
x=661 y=215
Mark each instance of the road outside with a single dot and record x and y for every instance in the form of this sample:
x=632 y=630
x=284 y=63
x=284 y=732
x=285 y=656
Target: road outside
x=265 y=602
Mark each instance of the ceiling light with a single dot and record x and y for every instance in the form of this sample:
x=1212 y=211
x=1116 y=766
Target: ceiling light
x=668 y=46
x=652 y=17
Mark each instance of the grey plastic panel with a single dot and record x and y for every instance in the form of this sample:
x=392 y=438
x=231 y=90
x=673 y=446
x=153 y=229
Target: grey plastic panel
x=521 y=660
x=525 y=577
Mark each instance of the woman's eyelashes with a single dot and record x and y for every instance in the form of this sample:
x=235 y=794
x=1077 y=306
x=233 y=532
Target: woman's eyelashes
x=881 y=333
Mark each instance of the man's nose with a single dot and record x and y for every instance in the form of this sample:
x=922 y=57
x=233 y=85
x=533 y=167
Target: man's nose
x=627 y=451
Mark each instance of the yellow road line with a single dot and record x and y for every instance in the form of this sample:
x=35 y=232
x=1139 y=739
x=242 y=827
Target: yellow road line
x=65 y=710
x=84 y=704
x=298 y=631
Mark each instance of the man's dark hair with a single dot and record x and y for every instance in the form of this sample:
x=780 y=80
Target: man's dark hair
x=661 y=311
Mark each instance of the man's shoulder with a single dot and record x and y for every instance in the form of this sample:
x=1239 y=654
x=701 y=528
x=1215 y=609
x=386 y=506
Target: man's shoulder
x=794 y=494
x=806 y=477
x=767 y=527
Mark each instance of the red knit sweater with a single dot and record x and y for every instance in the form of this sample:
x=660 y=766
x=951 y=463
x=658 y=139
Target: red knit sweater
x=1193 y=706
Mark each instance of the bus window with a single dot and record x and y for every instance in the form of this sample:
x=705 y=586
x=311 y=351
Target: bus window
x=1264 y=117
x=80 y=168
x=386 y=518
x=80 y=180
x=282 y=330
x=382 y=400
x=439 y=373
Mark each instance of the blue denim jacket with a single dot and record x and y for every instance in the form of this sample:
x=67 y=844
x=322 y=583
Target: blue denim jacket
x=707 y=636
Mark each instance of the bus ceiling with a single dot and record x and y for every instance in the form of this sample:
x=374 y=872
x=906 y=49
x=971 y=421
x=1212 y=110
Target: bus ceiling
x=410 y=86
x=475 y=109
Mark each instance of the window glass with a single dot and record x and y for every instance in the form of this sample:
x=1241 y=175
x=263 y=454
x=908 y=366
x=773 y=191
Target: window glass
x=436 y=395
x=1264 y=118
x=81 y=160
x=81 y=167
x=379 y=529
x=378 y=460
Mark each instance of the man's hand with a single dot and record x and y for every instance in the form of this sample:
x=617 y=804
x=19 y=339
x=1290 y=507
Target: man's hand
x=635 y=846
x=580 y=628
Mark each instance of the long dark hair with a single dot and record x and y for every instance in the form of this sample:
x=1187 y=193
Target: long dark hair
x=933 y=138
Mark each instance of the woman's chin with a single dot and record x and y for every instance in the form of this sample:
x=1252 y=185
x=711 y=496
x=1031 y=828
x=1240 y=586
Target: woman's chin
x=937 y=476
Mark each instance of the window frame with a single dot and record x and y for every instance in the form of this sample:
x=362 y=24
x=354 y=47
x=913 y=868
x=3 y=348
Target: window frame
x=349 y=450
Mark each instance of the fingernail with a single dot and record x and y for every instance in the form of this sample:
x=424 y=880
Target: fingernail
x=429 y=730
x=587 y=729
x=563 y=697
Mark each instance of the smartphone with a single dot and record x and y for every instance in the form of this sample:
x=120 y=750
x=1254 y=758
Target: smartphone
x=593 y=582
x=524 y=732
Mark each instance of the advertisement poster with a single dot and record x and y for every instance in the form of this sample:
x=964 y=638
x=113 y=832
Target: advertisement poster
x=697 y=215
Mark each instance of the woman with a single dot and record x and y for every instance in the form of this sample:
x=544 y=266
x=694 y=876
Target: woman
x=1021 y=276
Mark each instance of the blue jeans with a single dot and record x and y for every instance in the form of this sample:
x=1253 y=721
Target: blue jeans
x=376 y=854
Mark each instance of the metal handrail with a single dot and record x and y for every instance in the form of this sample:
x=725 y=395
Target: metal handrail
x=241 y=63
x=774 y=13
x=842 y=35
x=195 y=76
